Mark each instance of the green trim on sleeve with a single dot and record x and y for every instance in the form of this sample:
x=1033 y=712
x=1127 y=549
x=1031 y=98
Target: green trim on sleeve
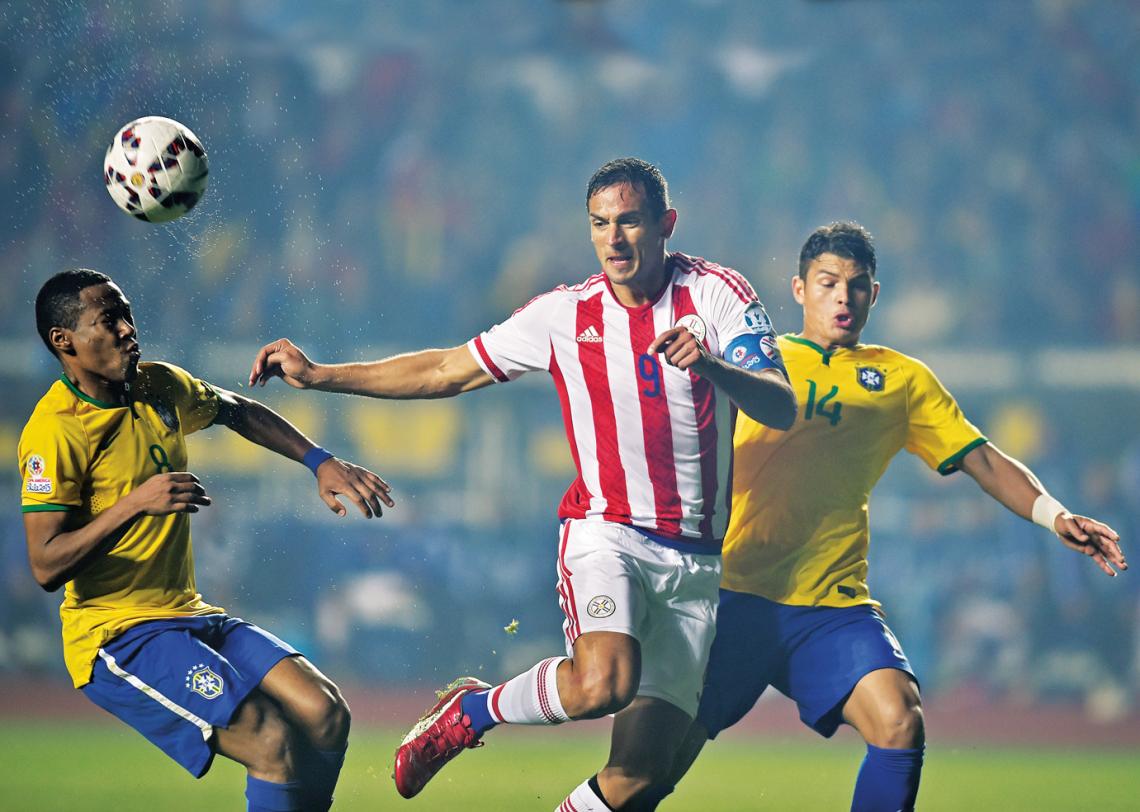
x=950 y=464
x=44 y=508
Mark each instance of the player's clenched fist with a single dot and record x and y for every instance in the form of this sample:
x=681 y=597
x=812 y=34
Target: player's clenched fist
x=680 y=347
x=177 y=492
x=285 y=360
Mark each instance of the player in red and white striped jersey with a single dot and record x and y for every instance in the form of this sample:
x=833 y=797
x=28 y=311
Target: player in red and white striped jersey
x=643 y=435
x=637 y=354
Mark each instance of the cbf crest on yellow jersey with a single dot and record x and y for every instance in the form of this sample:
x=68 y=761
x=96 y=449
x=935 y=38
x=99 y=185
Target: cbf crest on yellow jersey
x=79 y=454
x=798 y=532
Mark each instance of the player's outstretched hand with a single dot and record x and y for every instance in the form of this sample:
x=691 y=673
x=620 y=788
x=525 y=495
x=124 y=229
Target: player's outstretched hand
x=359 y=485
x=680 y=347
x=285 y=360
x=175 y=492
x=1096 y=540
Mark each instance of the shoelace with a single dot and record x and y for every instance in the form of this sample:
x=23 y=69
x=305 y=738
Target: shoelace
x=450 y=736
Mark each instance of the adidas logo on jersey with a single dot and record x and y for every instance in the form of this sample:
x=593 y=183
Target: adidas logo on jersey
x=589 y=336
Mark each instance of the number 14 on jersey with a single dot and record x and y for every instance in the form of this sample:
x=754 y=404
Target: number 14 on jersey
x=825 y=407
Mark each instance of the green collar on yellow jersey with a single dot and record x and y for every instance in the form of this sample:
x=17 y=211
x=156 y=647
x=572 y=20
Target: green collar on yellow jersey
x=75 y=390
x=825 y=353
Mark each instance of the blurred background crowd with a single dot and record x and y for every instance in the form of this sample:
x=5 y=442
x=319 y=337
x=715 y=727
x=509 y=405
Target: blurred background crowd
x=388 y=176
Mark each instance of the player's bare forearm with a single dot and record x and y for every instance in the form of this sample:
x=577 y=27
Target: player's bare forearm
x=416 y=375
x=765 y=396
x=1005 y=479
x=259 y=424
x=1012 y=484
x=59 y=548
x=419 y=375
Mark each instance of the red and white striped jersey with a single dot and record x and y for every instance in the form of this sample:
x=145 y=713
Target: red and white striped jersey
x=643 y=434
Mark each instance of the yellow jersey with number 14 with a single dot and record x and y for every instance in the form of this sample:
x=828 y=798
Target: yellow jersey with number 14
x=798 y=531
x=81 y=455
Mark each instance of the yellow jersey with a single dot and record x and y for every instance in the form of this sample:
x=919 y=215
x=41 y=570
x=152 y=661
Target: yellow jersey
x=798 y=531
x=82 y=455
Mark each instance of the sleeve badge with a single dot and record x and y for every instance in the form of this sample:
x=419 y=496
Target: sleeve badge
x=35 y=481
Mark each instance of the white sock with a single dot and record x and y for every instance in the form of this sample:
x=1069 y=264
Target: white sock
x=583 y=799
x=530 y=698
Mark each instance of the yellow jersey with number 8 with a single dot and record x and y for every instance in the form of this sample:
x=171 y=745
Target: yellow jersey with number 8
x=798 y=531
x=80 y=455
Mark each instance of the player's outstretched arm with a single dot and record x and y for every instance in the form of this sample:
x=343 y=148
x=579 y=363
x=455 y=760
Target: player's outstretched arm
x=1015 y=486
x=59 y=548
x=765 y=396
x=259 y=424
x=415 y=375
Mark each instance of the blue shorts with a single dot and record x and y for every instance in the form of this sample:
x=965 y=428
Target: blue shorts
x=814 y=655
x=175 y=680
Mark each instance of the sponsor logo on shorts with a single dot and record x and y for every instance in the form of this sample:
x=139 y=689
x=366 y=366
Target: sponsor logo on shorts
x=37 y=482
x=601 y=606
x=202 y=680
x=694 y=324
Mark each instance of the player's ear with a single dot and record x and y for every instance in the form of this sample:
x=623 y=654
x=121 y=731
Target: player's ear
x=798 y=289
x=668 y=223
x=874 y=293
x=61 y=341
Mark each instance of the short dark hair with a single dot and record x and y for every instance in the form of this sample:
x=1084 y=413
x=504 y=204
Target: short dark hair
x=57 y=303
x=844 y=238
x=636 y=173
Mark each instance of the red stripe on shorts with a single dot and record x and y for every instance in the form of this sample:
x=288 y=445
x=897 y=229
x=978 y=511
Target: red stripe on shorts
x=566 y=589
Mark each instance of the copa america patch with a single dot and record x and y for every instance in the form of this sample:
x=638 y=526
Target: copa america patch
x=202 y=680
x=37 y=482
x=694 y=324
x=756 y=319
x=601 y=606
x=871 y=379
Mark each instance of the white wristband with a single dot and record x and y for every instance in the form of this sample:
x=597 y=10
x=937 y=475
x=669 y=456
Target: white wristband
x=1046 y=509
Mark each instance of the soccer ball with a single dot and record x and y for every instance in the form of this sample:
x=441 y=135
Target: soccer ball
x=155 y=169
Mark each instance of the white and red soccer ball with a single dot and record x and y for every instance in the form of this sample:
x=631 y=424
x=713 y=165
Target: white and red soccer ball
x=155 y=169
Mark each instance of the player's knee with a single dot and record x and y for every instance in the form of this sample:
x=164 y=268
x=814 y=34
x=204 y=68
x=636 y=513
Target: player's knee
x=270 y=741
x=599 y=692
x=911 y=728
x=326 y=718
x=901 y=727
x=335 y=723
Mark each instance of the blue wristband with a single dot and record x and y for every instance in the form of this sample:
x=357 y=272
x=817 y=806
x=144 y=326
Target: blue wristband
x=314 y=457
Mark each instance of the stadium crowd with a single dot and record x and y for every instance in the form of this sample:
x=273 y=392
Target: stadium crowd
x=377 y=177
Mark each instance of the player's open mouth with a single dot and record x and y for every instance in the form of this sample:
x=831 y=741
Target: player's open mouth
x=621 y=261
x=844 y=320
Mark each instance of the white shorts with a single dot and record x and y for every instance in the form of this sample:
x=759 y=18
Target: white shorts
x=613 y=579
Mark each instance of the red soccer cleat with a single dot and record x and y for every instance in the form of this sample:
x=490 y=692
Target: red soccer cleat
x=439 y=736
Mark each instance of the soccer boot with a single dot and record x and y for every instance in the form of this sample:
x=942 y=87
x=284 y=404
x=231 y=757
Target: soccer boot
x=439 y=736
